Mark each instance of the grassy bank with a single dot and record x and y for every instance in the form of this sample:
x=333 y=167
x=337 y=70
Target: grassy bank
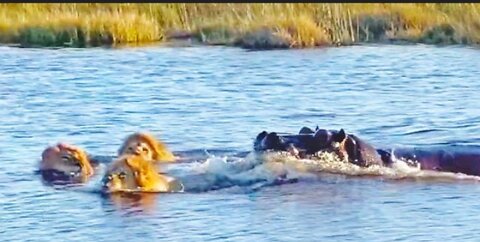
x=252 y=25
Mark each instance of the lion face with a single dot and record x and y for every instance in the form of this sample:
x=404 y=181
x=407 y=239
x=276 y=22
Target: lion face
x=127 y=173
x=147 y=146
x=121 y=178
x=137 y=147
x=67 y=159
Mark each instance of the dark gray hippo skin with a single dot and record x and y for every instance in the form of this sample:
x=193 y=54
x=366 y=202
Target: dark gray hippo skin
x=308 y=142
x=457 y=159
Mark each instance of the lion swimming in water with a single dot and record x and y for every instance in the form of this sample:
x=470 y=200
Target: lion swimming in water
x=65 y=162
x=135 y=173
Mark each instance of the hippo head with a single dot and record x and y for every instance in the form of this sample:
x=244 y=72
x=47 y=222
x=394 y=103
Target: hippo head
x=354 y=150
x=336 y=142
x=307 y=142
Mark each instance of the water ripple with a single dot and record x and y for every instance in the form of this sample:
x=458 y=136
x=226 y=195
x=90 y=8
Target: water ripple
x=218 y=99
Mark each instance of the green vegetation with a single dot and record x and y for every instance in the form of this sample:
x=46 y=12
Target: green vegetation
x=249 y=25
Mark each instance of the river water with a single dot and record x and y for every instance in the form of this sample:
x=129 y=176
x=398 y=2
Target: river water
x=209 y=103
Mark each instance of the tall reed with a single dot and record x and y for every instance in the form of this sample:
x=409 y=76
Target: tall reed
x=250 y=25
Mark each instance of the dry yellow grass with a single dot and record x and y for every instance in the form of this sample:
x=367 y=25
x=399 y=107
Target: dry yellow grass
x=282 y=25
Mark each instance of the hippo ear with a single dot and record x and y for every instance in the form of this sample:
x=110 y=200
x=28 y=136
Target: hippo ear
x=306 y=130
x=316 y=128
x=257 y=143
x=340 y=136
x=261 y=135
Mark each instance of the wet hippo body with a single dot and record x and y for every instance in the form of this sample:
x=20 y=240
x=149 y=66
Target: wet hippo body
x=308 y=142
x=455 y=159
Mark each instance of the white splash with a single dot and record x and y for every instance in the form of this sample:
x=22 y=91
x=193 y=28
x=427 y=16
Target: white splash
x=257 y=170
x=331 y=163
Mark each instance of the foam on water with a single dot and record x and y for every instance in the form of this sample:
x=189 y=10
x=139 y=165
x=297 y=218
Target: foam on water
x=255 y=170
x=330 y=163
x=211 y=173
x=217 y=172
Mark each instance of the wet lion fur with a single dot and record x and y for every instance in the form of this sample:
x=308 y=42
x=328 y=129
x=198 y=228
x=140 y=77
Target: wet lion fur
x=66 y=158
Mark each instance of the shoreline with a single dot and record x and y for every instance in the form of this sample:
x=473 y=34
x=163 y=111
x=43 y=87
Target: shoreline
x=182 y=43
x=260 y=26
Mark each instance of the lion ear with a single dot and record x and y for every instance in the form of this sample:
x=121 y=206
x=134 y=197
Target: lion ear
x=340 y=136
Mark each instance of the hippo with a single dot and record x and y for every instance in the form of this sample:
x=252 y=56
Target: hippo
x=308 y=142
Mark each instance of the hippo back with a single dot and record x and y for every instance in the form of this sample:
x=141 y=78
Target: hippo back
x=464 y=160
x=308 y=143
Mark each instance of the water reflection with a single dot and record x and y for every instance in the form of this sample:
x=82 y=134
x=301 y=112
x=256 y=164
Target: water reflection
x=132 y=202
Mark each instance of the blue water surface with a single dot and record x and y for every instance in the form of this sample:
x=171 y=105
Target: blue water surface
x=215 y=100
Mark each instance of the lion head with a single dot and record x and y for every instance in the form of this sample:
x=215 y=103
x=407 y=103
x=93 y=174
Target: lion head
x=67 y=159
x=146 y=145
x=133 y=172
